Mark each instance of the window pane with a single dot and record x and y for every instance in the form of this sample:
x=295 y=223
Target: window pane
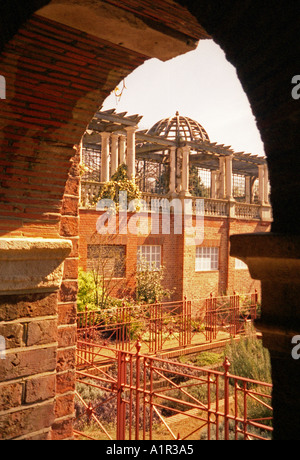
x=207 y=259
x=151 y=255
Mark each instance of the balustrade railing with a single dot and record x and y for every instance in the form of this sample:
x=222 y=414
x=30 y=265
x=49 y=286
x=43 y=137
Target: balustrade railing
x=155 y=203
x=247 y=211
x=89 y=193
x=215 y=208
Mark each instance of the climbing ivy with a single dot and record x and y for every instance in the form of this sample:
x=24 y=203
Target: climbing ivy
x=119 y=182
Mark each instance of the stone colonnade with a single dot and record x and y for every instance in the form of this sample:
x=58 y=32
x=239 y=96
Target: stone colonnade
x=118 y=149
x=221 y=179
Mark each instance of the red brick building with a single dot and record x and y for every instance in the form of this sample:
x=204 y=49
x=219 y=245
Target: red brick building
x=234 y=200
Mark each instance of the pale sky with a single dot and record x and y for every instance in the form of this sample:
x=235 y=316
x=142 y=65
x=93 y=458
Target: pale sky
x=201 y=85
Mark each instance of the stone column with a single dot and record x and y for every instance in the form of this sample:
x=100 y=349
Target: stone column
x=131 y=151
x=105 y=152
x=172 y=171
x=222 y=188
x=122 y=150
x=228 y=185
x=185 y=173
x=266 y=184
x=275 y=260
x=248 y=189
x=213 y=187
x=228 y=180
x=114 y=153
x=265 y=208
x=261 y=179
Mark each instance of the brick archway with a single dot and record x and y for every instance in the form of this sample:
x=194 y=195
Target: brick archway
x=57 y=77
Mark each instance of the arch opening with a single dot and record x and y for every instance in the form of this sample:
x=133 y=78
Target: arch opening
x=39 y=190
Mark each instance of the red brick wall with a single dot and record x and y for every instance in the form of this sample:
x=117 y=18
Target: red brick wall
x=57 y=78
x=201 y=284
x=172 y=247
x=178 y=258
x=227 y=279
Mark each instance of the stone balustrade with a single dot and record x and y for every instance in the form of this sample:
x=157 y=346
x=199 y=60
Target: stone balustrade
x=212 y=207
x=89 y=193
x=247 y=211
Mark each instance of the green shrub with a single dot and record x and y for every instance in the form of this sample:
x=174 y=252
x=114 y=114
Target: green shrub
x=149 y=284
x=249 y=359
x=88 y=293
x=89 y=391
x=205 y=358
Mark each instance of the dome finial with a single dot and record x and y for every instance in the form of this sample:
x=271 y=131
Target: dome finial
x=177 y=113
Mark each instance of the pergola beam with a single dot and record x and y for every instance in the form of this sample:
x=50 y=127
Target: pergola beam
x=152 y=148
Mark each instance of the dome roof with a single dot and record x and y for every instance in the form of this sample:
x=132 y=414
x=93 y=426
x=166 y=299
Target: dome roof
x=180 y=129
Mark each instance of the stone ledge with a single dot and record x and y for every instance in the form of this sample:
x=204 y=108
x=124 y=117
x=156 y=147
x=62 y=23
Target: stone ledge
x=32 y=265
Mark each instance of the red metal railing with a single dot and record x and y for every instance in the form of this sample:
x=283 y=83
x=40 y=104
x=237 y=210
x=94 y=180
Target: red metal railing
x=229 y=313
x=163 y=326
x=154 y=325
x=141 y=397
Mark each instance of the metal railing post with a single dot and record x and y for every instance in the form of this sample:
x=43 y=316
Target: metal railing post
x=121 y=408
x=226 y=366
x=137 y=396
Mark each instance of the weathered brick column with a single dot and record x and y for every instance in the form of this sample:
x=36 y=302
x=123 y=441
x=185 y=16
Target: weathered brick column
x=275 y=260
x=67 y=307
x=31 y=272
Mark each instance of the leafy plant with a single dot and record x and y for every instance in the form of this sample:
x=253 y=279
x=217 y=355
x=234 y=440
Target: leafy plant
x=119 y=182
x=93 y=294
x=149 y=284
x=249 y=359
x=196 y=186
x=205 y=358
x=88 y=292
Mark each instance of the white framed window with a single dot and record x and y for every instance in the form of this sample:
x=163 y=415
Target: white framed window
x=240 y=265
x=207 y=259
x=149 y=255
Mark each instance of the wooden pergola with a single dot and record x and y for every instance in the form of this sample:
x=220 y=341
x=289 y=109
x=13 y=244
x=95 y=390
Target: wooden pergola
x=176 y=143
